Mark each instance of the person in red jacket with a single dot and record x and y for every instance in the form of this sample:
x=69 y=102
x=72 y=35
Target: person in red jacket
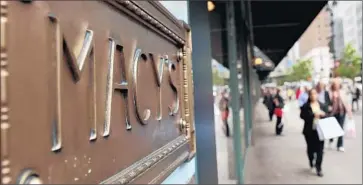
x=278 y=106
x=224 y=109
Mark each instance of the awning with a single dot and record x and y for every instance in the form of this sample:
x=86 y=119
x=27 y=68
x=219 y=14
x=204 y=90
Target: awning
x=266 y=64
x=279 y=24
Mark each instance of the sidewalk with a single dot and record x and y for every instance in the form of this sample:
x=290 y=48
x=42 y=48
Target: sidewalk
x=282 y=159
x=224 y=147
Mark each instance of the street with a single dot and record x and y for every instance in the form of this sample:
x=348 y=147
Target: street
x=283 y=159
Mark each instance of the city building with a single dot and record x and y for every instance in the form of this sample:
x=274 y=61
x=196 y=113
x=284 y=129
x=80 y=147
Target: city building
x=292 y=56
x=359 y=12
x=338 y=37
x=347 y=17
x=314 y=45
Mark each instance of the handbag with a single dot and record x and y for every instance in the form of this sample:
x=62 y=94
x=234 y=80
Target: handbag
x=349 y=129
x=278 y=112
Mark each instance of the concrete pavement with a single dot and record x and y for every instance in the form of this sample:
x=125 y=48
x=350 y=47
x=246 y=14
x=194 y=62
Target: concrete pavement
x=224 y=147
x=280 y=160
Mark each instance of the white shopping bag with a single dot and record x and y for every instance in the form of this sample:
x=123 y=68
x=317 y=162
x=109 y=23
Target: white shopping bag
x=350 y=128
x=329 y=128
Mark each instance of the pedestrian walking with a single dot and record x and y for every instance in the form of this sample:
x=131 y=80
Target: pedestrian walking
x=224 y=109
x=303 y=97
x=341 y=107
x=356 y=96
x=268 y=102
x=323 y=96
x=278 y=107
x=298 y=92
x=311 y=112
x=290 y=93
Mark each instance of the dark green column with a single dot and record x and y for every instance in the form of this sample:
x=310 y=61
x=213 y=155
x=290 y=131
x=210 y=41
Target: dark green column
x=233 y=85
x=206 y=162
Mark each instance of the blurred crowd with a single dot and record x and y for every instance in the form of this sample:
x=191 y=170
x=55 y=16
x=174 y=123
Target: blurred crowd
x=336 y=100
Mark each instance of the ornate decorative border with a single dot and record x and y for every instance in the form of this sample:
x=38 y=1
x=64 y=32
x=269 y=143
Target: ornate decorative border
x=147 y=17
x=5 y=125
x=168 y=170
x=141 y=166
x=188 y=89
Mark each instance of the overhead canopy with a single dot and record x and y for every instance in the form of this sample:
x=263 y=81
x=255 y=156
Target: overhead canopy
x=277 y=25
x=267 y=64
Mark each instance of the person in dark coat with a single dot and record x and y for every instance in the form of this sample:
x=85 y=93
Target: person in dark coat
x=278 y=102
x=323 y=96
x=311 y=112
x=355 y=97
x=268 y=101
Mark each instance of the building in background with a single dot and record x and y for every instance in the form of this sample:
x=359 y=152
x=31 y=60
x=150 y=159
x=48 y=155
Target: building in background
x=348 y=25
x=314 y=45
x=294 y=53
x=292 y=56
x=346 y=17
x=359 y=15
x=338 y=37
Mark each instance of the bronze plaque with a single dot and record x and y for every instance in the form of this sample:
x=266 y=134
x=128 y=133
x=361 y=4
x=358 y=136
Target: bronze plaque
x=93 y=92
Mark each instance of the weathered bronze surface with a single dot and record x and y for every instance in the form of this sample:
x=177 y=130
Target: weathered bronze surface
x=93 y=92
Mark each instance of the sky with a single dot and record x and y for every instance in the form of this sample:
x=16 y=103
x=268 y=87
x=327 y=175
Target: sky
x=178 y=8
